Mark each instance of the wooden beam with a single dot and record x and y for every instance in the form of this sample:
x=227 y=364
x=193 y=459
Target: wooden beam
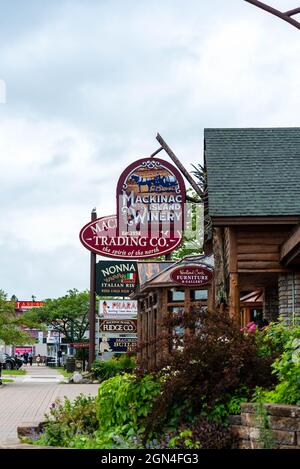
x=234 y=297
x=291 y=244
x=255 y=270
x=179 y=165
x=262 y=265
x=254 y=249
x=234 y=292
x=233 y=262
x=259 y=256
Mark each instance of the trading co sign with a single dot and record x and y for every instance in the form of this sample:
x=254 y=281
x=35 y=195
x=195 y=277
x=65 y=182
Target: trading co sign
x=191 y=275
x=101 y=236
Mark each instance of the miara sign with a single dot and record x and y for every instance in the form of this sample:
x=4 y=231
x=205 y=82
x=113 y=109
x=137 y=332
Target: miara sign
x=150 y=214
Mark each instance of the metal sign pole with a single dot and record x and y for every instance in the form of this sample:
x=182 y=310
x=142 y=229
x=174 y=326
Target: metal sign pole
x=284 y=15
x=92 y=310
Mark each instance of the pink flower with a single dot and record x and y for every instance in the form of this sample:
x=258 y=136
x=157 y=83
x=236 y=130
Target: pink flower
x=251 y=327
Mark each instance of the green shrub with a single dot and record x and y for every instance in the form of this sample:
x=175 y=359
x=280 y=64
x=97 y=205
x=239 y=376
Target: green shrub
x=112 y=420
x=123 y=402
x=204 y=375
x=273 y=339
x=104 y=370
x=287 y=391
x=286 y=368
x=68 y=420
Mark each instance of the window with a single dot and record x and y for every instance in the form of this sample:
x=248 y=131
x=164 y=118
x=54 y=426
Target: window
x=176 y=309
x=197 y=295
x=176 y=338
x=175 y=294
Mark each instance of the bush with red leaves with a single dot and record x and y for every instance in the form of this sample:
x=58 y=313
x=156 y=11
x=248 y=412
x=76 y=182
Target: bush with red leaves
x=216 y=361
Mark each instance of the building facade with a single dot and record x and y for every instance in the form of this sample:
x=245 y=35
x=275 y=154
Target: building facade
x=253 y=184
x=167 y=289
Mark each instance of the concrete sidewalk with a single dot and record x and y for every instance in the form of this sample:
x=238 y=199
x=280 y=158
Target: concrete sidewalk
x=30 y=396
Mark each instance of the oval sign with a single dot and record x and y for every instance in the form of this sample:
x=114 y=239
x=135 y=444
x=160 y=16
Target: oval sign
x=101 y=236
x=192 y=275
x=150 y=197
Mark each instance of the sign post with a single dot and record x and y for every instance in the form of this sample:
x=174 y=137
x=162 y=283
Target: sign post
x=92 y=310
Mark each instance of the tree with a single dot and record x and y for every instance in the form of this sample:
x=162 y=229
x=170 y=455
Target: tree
x=67 y=315
x=192 y=243
x=11 y=324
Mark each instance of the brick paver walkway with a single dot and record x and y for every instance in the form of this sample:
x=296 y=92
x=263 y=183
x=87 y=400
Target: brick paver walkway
x=30 y=396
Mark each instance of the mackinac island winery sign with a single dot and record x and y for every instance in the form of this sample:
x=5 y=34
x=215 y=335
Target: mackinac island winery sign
x=116 y=278
x=150 y=214
x=150 y=205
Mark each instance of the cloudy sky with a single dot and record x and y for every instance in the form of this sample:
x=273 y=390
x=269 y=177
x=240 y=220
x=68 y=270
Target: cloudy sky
x=89 y=83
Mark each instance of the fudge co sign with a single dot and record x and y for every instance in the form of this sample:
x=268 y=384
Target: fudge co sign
x=150 y=214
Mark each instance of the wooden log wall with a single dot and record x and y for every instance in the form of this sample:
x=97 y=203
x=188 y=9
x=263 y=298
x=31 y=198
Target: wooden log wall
x=257 y=248
x=260 y=249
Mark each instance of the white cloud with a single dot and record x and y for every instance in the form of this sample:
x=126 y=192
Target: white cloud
x=88 y=86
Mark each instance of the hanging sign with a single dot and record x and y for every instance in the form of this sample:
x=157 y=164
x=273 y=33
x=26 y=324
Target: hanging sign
x=120 y=326
x=21 y=350
x=150 y=199
x=29 y=304
x=116 y=278
x=117 y=344
x=101 y=236
x=192 y=275
x=117 y=309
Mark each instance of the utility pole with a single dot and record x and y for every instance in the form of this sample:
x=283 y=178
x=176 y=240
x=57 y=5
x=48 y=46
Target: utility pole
x=92 y=310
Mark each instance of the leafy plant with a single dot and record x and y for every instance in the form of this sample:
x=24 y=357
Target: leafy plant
x=286 y=368
x=104 y=370
x=68 y=420
x=123 y=402
x=272 y=339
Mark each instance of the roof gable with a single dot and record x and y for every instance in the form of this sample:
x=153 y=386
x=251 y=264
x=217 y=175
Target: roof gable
x=253 y=171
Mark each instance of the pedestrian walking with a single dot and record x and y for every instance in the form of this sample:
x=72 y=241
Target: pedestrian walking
x=30 y=358
x=38 y=359
x=25 y=358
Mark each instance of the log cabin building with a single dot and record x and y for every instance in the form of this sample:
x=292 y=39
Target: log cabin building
x=253 y=187
x=252 y=240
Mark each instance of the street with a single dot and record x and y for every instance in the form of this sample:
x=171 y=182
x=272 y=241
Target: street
x=30 y=396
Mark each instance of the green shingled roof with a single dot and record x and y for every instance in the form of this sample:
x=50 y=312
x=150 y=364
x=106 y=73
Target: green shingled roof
x=253 y=172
